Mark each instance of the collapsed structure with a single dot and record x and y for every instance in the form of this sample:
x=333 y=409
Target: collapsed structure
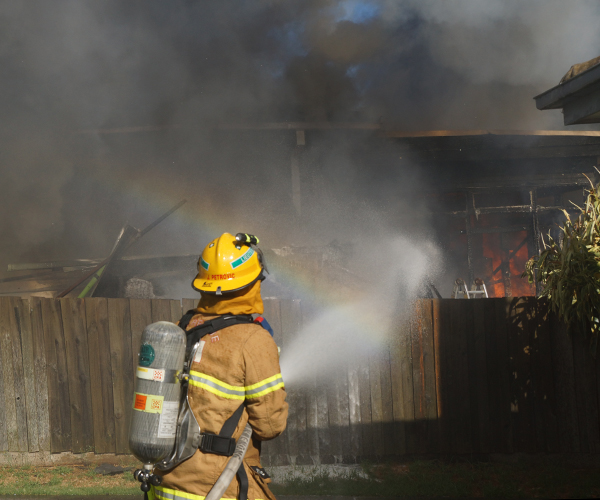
x=489 y=195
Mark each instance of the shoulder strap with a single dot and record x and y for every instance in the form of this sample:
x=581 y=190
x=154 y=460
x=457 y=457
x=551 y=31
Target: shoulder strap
x=231 y=423
x=214 y=325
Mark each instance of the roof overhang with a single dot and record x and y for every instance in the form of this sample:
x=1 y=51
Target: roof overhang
x=578 y=97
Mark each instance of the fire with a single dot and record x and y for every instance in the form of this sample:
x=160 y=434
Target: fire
x=508 y=253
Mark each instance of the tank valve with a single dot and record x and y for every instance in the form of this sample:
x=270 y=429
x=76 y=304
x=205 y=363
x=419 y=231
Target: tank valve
x=147 y=478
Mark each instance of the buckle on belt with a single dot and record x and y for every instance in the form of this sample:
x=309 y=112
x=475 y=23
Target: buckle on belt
x=218 y=445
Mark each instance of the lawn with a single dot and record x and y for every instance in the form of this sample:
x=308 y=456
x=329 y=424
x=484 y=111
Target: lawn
x=430 y=478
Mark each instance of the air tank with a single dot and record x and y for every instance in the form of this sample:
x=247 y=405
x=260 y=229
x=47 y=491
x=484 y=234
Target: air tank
x=157 y=392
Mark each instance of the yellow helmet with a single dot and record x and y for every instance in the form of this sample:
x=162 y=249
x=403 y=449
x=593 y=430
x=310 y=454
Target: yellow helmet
x=228 y=264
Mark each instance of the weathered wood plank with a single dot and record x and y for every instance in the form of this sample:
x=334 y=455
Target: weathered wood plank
x=161 y=310
x=564 y=387
x=436 y=428
x=523 y=411
x=188 y=304
x=543 y=381
x=5 y=398
x=429 y=388
x=175 y=310
x=344 y=415
x=75 y=332
x=478 y=389
x=19 y=375
x=96 y=313
x=424 y=379
x=419 y=428
x=8 y=376
x=276 y=448
x=141 y=317
x=387 y=404
x=291 y=317
x=499 y=375
x=458 y=405
x=119 y=327
x=57 y=371
x=376 y=404
x=586 y=395
x=364 y=384
x=41 y=375
x=354 y=430
x=443 y=331
x=23 y=317
x=402 y=389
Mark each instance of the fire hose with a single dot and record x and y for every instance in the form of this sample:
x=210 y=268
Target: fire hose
x=217 y=491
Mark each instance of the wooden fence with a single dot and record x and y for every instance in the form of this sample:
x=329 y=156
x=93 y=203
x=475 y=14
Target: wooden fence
x=462 y=377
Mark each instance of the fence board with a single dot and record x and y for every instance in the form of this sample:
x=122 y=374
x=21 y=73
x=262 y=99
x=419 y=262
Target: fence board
x=176 y=314
x=402 y=389
x=344 y=412
x=96 y=313
x=8 y=375
x=424 y=379
x=364 y=384
x=497 y=360
x=119 y=328
x=290 y=324
x=436 y=332
x=41 y=376
x=458 y=404
x=75 y=332
x=5 y=396
x=376 y=403
x=444 y=362
x=141 y=317
x=419 y=428
x=18 y=374
x=564 y=387
x=355 y=438
x=291 y=319
x=57 y=372
x=24 y=323
x=161 y=310
x=387 y=404
x=543 y=381
x=586 y=395
x=277 y=448
x=523 y=412
x=189 y=304
x=478 y=379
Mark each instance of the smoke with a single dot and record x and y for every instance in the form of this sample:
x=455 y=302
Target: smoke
x=348 y=332
x=72 y=69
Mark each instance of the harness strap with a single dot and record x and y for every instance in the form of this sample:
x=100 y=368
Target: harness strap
x=212 y=326
x=222 y=443
x=243 y=479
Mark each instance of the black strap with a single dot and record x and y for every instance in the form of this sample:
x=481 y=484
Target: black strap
x=212 y=326
x=231 y=423
x=243 y=479
x=223 y=443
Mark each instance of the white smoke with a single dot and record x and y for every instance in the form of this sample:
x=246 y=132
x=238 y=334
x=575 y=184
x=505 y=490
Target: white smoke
x=348 y=332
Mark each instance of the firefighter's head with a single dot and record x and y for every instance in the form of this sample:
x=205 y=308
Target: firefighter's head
x=229 y=264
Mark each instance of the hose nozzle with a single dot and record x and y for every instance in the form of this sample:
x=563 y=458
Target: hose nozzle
x=248 y=239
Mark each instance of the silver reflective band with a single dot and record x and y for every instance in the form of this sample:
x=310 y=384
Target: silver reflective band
x=264 y=387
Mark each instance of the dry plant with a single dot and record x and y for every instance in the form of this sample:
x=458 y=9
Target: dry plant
x=569 y=270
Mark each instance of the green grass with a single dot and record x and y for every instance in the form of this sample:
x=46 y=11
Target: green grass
x=61 y=480
x=426 y=478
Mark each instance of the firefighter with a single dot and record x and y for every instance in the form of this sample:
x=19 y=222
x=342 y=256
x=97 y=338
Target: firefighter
x=234 y=380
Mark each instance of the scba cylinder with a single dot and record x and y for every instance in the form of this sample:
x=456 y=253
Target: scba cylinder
x=157 y=392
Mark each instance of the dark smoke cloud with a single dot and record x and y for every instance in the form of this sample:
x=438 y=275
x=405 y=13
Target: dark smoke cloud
x=187 y=66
